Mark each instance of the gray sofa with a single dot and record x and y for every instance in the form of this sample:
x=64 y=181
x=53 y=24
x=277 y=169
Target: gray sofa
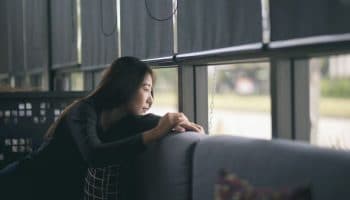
x=185 y=166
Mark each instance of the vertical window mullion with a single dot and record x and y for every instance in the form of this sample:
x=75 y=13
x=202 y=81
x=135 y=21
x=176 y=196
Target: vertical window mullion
x=201 y=96
x=281 y=98
x=302 y=123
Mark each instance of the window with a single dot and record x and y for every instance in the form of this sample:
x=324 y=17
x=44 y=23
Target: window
x=61 y=82
x=239 y=100
x=73 y=81
x=4 y=82
x=330 y=101
x=38 y=82
x=77 y=81
x=165 y=91
x=26 y=82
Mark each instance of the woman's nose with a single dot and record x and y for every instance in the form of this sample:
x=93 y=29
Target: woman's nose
x=150 y=99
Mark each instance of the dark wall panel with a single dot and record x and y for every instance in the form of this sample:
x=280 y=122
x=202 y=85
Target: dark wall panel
x=64 y=33
x=300 y=19
x=142 y=36
x=99 y=32
x=208 y=24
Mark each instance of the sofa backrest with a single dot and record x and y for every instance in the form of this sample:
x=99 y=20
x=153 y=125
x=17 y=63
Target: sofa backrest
x=274 y=164
x=164 y=170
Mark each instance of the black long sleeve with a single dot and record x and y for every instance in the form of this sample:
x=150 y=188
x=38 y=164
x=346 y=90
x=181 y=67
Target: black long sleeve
x=82 y=122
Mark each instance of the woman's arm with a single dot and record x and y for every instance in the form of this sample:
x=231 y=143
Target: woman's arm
x=82 y=121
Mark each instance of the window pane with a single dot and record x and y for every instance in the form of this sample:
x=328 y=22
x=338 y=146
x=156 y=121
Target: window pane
x=239 y=100
x=25 y=82
x=330 y=101
x=4 y=82
x=165 y=91
x=39 y=82
x=61 y=82
x=73 y=81
x=77 y=81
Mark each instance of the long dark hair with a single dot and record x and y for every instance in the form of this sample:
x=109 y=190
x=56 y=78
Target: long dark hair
x=117 y=87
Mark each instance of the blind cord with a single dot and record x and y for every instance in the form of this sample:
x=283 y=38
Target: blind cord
x=160 y=19
x=101 y=18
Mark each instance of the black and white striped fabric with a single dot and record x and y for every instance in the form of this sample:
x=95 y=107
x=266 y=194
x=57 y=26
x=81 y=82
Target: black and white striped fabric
x=102 y=183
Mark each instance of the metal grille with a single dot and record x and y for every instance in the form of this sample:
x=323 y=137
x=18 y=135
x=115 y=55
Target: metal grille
x=24 y=119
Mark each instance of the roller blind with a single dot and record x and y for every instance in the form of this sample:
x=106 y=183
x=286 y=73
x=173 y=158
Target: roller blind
x=63 y=33
x=3 y=38
x=208 y=24
x=99 y=32
x=15 y=37
x=36 y=34
x=142 y=36
x=301 y=19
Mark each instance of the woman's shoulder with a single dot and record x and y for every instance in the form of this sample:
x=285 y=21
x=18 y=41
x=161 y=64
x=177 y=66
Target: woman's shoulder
x=82 y=109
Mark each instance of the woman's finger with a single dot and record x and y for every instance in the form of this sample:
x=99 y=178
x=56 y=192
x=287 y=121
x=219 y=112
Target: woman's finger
x=178 y=129
x=199 y=127
x=190 y=127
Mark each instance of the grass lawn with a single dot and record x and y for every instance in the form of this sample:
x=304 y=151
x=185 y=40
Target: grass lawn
x=335 y=107
x=331 y=107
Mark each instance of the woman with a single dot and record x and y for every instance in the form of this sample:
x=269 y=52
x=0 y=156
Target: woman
x=79 y=139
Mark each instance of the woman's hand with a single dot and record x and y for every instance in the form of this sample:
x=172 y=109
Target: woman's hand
x=171 y=121
x=189 y=126
x=165 y=124
x=177 y=122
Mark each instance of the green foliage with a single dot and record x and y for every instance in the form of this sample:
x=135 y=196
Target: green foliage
x=335 y=88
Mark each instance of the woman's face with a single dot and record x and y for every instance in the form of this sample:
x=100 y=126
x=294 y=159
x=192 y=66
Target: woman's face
x=142 y=101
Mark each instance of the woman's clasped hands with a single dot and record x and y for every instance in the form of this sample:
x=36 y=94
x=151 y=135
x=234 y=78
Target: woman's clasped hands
x=177 y=122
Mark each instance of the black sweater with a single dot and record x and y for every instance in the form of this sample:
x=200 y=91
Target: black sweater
x=58 y=168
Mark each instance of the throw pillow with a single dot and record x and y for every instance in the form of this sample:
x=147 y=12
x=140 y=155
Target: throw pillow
x=231 y=187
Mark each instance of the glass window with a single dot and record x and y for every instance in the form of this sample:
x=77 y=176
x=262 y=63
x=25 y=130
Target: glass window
x=4 y=82
x=29 y=82
x=165 y=91
x=77 y=81
x=38 y=82
x=330 y=101
x=73 y=81
x=239 y=100
x=61 y=82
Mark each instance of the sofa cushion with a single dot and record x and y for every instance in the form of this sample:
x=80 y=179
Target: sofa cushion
x=271 y=164
x=164 y=170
